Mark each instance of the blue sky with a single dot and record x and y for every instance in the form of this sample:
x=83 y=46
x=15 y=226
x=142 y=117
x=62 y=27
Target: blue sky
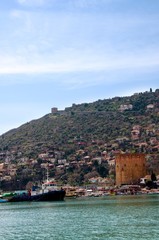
x=59 y=52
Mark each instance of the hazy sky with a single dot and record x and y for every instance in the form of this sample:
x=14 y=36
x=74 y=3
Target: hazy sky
x=59 y=52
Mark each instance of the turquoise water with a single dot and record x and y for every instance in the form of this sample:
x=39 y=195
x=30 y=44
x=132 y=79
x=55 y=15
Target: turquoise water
x=119 y=217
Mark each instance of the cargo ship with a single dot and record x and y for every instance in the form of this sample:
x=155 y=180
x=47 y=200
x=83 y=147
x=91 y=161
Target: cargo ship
x=47 y=192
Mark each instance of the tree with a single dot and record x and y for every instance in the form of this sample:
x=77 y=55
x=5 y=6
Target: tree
x=102 y=170
x=153 y=177
x=95 y=163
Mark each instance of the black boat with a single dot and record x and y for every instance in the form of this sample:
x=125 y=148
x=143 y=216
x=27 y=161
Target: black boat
x=48 y=192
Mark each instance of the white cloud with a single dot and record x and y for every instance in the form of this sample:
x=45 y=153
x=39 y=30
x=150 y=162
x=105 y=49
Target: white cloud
x=70 y=60
x=71 y=42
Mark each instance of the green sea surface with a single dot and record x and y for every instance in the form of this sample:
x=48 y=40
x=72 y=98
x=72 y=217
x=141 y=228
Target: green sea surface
x=116 y=217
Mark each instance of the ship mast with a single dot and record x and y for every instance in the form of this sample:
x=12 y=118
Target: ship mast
x=47 y=174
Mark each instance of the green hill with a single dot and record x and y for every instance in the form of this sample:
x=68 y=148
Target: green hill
x=91 y=127
x=99 y=120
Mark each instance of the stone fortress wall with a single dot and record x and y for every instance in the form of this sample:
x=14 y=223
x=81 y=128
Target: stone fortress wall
x=129 y=167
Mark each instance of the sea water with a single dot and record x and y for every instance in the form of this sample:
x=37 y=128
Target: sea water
x=116 y=217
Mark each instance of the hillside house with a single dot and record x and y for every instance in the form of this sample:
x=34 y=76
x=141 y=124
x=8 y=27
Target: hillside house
x=104 y=154
x=60 y=167
x=9 y=159
x=1 y=166
x=150 y=132
x=125 y=107
x=73 y=163
x=87 y=159
x=141 y=145
x=108 y=159
x=137 y=127
x=33 y=161
x=155 y=148
x=150 y=107
x=95 y=179
x=153 y=141
x=6 y=178
x=81 y=163
x=43 y=156
x=2 y=155
x=58 y=155
x=111 y=163
x=62 y=161
x=13 y=172
x=19 y=154
x=90 y=163
x=3 y=171
x=43 y=165
x=80 y=152
x=135 y=134
x=113 y=153
x=52 y=160
x=121 y=140
x=24 y=159
x=116 y=145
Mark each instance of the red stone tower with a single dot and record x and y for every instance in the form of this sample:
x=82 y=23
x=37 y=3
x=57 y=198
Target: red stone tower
x=129 y=167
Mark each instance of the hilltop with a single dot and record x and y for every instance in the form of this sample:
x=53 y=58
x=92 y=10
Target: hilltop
x=81 y=141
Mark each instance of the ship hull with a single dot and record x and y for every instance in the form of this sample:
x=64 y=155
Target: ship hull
x=50 y=196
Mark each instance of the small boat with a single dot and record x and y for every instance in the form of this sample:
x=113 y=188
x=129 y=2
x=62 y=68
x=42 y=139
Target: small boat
x=112 y=194
x=70 y=196
x=70 y=193
x=48 y=192
x=3 y=200
x=6 y=196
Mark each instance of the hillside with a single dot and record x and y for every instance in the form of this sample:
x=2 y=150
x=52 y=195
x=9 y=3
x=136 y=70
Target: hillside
x=85 y=130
